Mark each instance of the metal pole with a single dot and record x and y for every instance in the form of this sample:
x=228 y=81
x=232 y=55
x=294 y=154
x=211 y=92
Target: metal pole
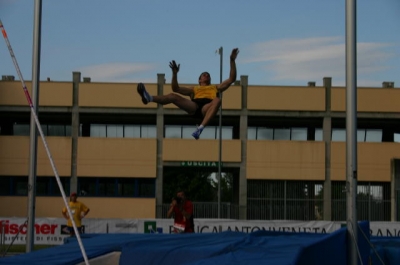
x=2 y=237
x=220 y=51
x=33 y=131
x=369 y=200
x=284 y=200
x=351 y=131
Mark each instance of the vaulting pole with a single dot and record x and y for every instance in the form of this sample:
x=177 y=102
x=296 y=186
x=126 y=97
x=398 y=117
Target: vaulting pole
x=46 y=147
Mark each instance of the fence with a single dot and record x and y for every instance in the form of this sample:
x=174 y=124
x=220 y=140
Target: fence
x=300 y=200
x=209 y=210
x=284 y=200
x=373 y=201
x=2 y=238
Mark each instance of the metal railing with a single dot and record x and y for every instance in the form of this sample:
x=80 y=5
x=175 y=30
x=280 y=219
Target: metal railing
x=284 y=200
x=278 y=209
x=209 y=210
x=2 y=237
x=299 y=200
x=373 y=201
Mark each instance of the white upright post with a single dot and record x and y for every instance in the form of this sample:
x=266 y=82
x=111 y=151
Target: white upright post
x=30 y=239
x=220 y=51
x=351 y=131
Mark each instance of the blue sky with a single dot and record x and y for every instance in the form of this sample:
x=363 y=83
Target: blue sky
x=281 y=42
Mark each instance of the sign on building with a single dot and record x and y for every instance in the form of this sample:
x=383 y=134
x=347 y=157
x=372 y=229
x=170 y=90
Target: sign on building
x=199 y=164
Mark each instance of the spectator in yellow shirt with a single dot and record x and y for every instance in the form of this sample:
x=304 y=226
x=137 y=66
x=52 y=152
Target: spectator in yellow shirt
x=78 y=210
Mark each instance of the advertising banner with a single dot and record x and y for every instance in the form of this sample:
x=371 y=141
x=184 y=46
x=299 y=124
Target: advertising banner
x=52 y=231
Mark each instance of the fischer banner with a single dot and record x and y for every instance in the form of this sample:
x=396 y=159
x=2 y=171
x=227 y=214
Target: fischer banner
x=47 y=231
x=52 y=231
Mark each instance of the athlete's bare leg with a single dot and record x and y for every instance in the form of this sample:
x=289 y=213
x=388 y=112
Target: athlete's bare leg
x=209 y=110
x=181 y=102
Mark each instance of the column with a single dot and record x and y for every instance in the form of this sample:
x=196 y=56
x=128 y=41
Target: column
x=160 y=137
x=326 y=136
x=243 y=140
x=76 y=79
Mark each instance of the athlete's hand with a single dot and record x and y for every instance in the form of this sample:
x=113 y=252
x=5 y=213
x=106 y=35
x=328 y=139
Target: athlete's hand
x=234 y=54
x=174 y=66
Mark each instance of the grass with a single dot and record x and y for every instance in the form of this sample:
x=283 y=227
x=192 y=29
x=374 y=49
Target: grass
x=22 y=248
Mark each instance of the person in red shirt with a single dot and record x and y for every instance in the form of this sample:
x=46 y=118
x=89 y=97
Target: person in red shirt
x=182 y=210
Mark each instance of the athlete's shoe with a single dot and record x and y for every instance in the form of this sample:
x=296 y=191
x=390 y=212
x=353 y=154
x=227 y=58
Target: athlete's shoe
x=146 y=98
x=196 y=134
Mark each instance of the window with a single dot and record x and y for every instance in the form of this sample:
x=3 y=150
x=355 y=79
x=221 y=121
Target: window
x=42 y=187
x=299 y=134
x=146 y=188
x=47 y=129
x=132 y=131
x=126 y=187
x=338 y=135
x=363 y=135
x=186 y=131
x=48 y=186
x=281 y=134
x=264 y=133
x=373 y=135
x=148 y=131
x=45 y=186
x=5 y=185
x=360 y=135
x=58 y=130
x=209 y=132
x=21 y=129
x=123 y=131
x=106 y=187
x=252 y=133
x=173 y=131
x=116 y=187
x=98 y=130
x=87 y=186
x=227 y=132
x=20 y=186
x=318 y=135
x=68 y=130
x=116 y=131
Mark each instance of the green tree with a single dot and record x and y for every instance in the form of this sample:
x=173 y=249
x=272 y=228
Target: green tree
x=226 y=186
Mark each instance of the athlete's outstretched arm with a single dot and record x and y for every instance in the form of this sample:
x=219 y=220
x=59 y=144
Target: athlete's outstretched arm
x=174 y=82
x=232 y=74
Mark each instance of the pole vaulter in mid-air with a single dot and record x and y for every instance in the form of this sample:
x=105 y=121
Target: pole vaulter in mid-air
x=204 y=102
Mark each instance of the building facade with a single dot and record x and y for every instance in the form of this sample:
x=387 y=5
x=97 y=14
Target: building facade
x=284 y=145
